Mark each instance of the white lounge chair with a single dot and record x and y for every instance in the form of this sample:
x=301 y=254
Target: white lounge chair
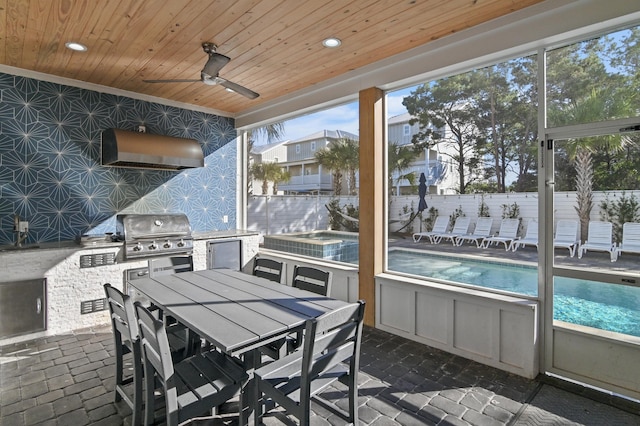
x=481 y=231
x=507 y=233
x=530 y=238
x=630 y=239
x=440 y=226
x=460 y=228
x=567 y=236
x=600 y=239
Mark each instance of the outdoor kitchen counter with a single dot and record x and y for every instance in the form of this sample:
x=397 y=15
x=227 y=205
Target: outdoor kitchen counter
x=35 y=260
x=230 y=233
x=75 y=273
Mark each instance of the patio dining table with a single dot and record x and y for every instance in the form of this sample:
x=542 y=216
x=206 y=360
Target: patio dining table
x=234 y=311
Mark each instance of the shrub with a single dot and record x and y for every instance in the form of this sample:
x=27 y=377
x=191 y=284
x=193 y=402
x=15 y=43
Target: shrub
x=625 y=209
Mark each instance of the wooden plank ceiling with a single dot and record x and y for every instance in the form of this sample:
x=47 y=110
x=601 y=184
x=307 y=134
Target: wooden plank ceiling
x=275 y=46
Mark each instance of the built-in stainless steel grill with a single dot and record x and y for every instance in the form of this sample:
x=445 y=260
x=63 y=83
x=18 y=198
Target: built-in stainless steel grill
x=154 y=234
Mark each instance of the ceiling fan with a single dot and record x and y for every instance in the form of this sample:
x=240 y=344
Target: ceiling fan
x=209 y=74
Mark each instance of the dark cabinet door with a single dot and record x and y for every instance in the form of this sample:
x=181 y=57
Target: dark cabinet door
x=23 y=307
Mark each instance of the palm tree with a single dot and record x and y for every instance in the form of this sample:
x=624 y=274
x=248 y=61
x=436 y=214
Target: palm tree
x=598 y=105
x=400 y=158
x=282 y=176
x=343 y=155
x=272 y=132
x=269 y=172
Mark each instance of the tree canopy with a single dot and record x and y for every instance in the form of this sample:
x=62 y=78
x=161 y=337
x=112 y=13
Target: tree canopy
x=486 y=120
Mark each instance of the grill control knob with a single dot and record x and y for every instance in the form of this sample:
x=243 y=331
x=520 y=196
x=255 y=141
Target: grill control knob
x=137 y=247
x=180 y=243
x=167 y=244
x=153 y=245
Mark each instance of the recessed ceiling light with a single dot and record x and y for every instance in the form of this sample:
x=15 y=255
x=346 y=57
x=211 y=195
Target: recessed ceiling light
x=331 y=42
x=78 y=47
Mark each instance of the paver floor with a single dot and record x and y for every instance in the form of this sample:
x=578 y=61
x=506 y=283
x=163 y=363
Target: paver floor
x=69 y=380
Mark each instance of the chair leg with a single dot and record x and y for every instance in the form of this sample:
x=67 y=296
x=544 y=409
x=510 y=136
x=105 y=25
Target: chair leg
x=119 y=367
x=258 y=404
x=136 y=418
x=149 y=400
x=352 y=383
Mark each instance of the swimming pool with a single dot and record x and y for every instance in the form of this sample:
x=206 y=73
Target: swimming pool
x=589 y=303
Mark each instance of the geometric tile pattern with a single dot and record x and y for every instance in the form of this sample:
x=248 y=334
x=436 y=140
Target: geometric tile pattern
x=51 y=174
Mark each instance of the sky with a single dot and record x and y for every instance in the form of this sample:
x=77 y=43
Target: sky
x=343 y=117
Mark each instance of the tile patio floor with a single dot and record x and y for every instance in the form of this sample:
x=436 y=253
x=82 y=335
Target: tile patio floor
x=69 y=380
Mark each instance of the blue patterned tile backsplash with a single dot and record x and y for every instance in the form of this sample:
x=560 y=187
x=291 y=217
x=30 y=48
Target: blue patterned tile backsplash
x=52 y=177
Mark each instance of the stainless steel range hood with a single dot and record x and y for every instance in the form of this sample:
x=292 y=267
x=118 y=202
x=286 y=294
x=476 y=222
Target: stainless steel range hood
x=122 y=148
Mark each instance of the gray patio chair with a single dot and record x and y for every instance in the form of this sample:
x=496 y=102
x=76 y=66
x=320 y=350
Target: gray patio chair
x=127 y=340
x=312 y=279
x=331 y=352
x=305 y=278
x=170 y=265
x=268 y=268
x=192 y=387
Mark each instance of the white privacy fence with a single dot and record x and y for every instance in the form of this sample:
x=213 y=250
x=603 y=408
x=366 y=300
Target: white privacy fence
x=277 y=214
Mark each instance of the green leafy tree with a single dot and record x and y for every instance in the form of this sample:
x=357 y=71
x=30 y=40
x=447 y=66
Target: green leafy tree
x=505 y=104
x=445 y=104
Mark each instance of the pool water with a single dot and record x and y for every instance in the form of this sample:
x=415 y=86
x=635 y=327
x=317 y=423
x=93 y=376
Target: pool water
x=589 y=303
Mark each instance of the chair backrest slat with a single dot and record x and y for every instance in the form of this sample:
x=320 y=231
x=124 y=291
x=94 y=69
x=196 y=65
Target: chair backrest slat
x=312 y=279
x=155 y=343
x=122 y=313
x=631 y=234
x=462 y=225
x=330 y=340
x=170 y=265
x=483 y=226
x=267 y=268
x=532 y=230
x=441 y=224
x=509 y=228
x=600 y=232
x=567 y=230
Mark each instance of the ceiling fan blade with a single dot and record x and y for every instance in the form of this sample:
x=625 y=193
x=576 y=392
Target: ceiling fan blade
x=178 y=80
x=215 y=63
x=237 y=88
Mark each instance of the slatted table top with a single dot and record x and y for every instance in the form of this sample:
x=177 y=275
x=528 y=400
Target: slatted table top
x=235 y=311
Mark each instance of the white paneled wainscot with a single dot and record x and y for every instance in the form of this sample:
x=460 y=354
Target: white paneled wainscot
x=493 y=329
